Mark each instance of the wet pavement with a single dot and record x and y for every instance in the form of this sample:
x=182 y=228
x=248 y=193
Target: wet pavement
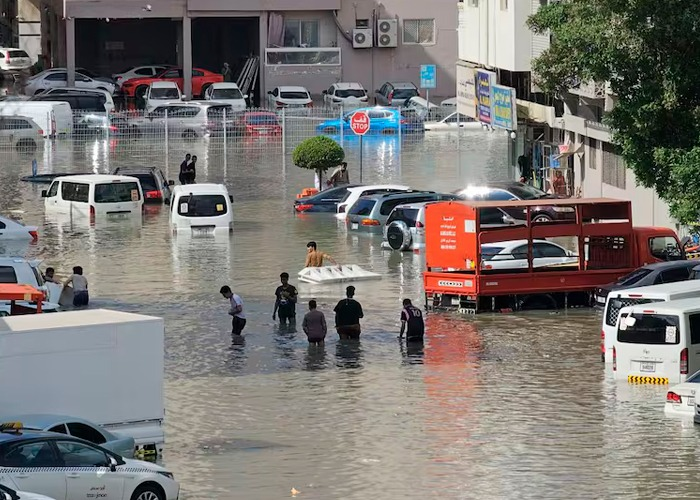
x=493 y=406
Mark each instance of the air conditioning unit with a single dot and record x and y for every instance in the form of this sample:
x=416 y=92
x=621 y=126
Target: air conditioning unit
x=387 y=33
x=362 y=38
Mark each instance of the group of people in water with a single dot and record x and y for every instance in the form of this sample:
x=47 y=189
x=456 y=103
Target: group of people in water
x=79 y=283
x=348 y=311
x=188 y=170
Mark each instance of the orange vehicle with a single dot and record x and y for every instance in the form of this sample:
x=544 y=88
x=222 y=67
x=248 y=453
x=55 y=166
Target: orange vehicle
x=201 y=80
x=25 y=293
x=471 y=269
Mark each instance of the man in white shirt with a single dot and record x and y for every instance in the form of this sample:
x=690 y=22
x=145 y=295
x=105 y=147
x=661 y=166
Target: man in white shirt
x=80 y=287
x=238 y=321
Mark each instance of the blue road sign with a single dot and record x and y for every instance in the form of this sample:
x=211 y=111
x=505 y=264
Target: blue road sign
x=428 y=76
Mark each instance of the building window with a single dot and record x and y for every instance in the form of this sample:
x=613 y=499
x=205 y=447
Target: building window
x=473 y=3
x=419 y=31
x=504 y=4
x=544 y=2
x=593 y=156
x=614 y=171
x=300 y=33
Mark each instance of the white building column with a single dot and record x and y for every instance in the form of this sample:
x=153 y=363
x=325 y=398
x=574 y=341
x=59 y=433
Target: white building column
x=263 y=44
x=187 y=55
x=70 y=51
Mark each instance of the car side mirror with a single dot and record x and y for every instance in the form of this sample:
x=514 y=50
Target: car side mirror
x=245 y=96
x=230 y=198
x=113 y=464
x=507 y=219
x=269 y=92
x=324 y=91
x=171 y=183
x=44 y=193
x=376 y=91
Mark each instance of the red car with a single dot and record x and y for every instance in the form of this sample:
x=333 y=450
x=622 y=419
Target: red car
x=261 y=123
x=201 y=79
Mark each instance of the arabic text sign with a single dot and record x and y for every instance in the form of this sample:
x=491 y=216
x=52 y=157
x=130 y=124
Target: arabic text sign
x=484 y=84
x=428 y=76
x=503 y=107
x=359 y=123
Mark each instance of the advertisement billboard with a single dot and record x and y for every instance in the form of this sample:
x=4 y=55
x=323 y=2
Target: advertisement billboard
x=485 y=81
x=466 y=91
x=503 y=107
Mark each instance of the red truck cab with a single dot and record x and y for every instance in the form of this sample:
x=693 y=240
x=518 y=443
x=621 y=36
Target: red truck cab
x=462 y=272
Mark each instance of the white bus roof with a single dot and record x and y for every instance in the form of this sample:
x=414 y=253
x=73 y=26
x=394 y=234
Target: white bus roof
x=96 y=178
x=69 y=319
x=673 y=307
x=653 y=291
x=201 y=189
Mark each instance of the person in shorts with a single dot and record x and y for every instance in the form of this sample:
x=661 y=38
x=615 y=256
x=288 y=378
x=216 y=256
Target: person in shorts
x=412 y=322
x=80 y=287
x=285 y=301
x=236 y=310
x=348 y=313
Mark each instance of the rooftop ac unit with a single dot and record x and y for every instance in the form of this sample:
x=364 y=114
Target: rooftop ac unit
x=362 y=38
x=387 y=33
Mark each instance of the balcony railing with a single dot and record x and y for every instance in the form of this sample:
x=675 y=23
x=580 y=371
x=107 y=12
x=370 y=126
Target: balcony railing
x=590 y=90
x=293 y=56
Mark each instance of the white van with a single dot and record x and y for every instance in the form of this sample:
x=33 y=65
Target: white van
x=201 y=209
x=54 y=118
x=94 y=194
x=616 y=300
x=658 y=343
x=159 y=93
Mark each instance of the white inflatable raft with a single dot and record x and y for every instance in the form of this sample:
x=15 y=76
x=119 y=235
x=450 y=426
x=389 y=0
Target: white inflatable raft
x=336 y=274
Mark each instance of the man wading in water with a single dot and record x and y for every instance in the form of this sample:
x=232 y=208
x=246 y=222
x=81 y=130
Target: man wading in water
x=314 y=257
x=285 y=301
x=347 y=316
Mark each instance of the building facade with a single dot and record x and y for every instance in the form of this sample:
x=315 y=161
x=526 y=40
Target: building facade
x=313 y=43
x=566 y=135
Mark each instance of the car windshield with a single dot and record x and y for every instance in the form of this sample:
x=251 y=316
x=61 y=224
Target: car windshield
x=117 y=192
x=165 y=93
x=349 y=93
x=226 y=94
x=202 y=205
x=362 y=207
x=261 y=120
x=405 y=93
x=488 y=253
x=17 y=53
x=633 y=277
x=148 y=183
x=294 y=95
x=526 y=192
x=639 y=328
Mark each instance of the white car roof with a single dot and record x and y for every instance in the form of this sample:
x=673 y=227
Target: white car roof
x=514 y=243
x=201 y=189
x=671 y=307
x=360 y=189
x=96 y=178
x=224 y=85
x=164 y=85
x=348 y=85
x=289 y=88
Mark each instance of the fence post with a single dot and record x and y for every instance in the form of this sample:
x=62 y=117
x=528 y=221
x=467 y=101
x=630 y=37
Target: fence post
x=459 y=149
x=284 y=132
x=400 y=136
x=342 y=126
x=225 y=143
x=166 y=138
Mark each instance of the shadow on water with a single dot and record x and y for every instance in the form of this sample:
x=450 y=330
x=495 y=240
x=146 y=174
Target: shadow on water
x=348 y=354
x=412 y=352
x=316 y=357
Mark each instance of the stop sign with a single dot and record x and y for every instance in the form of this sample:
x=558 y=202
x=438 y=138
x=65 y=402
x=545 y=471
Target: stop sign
x=359 y=123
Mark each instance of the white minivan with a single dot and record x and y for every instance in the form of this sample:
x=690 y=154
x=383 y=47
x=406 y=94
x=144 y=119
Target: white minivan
x=54 y=118
x=159 y=93
x=658 y=343
x=616 y=300
x=201 y=209
x=94 y=195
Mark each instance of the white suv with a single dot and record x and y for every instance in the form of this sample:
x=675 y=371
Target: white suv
x=19 y=132
x=23 y=272
x=345 y=94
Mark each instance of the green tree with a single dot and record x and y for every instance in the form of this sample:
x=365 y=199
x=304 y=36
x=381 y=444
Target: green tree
x=649 y=51
x=318 y=154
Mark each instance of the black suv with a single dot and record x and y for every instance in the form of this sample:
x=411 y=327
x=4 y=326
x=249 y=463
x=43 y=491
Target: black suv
x=156 y=188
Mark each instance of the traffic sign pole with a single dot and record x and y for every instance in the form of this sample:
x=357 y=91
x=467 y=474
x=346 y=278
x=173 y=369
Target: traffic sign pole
x=361 y=155
x=359 y=124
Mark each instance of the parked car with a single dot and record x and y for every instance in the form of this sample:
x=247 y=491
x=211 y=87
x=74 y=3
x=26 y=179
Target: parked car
x=10 y=494
x=395 y=93
x=14 y=59
x=159 y=93
x=138 y=72
x=62 y=466
x=201 y=80
x=370 y=213
x=382 y=121
x=651 y=274
x=507 y=191
x=449 y=104
x=453 y=121
x=345 y=94
x=423 y=109
x=289 y=97
x=19 y=132
x=88 y=125
x=187 y=120
x=59 y=78
x=514 y=255
x=105 y=98
x=16 y=270
x=680 y=398
x=355 y=193
x=95 y=76
x=324 y=201
x=156 y=188
x=227 y=93
x=123 y=446
x=258 y=123
x=13 y=230
x=405 y=227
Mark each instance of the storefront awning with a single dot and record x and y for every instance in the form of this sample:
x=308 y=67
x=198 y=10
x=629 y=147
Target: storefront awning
x=577 y=149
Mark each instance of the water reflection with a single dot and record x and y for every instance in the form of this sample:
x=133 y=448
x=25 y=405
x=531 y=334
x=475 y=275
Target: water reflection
x=349 y=353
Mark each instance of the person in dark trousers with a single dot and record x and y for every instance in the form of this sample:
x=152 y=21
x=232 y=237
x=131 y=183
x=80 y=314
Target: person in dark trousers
x=184 y=166
x=80 y=287
x=412 y=322
x=238 y=321
x=314 y=325
x=285 y=301
x=348 y=313
x=192 y=171
x=226 y=72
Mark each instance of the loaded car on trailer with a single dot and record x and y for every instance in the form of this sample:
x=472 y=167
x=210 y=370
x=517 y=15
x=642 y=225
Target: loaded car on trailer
x=602 y=244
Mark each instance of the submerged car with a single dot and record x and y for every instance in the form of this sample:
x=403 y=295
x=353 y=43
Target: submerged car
x=324 y=201
x=382 y=121
x=156 y=188
x=680 y=399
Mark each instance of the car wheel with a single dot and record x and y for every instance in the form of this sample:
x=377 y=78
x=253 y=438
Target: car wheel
x=148 y=492
x=189 y=134
x=330 y=130
x=542 y=218
x=140 y=91
x=26 y=144
x=398 y=235
x=38 y=91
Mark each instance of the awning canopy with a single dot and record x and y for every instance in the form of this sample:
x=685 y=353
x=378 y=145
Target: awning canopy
x=577 y=149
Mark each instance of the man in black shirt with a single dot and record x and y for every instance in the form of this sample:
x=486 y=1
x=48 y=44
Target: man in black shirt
x=285 y=301
x=184 y=168
x=412 y=317
x=347 y=316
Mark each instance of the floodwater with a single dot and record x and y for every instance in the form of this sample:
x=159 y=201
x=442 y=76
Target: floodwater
x=494 y=406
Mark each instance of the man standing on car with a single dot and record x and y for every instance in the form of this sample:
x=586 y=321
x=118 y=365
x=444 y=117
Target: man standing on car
x=348 y=313
x=412 y=320
x=236 y=310
x=285 y=301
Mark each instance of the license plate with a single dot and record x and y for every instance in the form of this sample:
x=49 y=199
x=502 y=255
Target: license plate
x=691 y=402
x=118 y=216
x=353 y=225
x=202 y=231
x=647 y=367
